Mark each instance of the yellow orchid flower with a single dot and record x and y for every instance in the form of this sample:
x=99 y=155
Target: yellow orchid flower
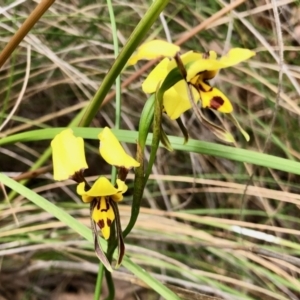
x=69 y=162
x=103 y=192
x=200 y=68
x=68 y=155
x=206 y=68
x=112 y=151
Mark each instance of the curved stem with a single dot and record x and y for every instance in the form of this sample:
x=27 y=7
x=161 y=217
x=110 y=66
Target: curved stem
x=110 y=285
x=116 y=52
x=99 y=281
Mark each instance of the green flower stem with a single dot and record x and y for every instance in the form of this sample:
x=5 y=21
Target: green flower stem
x=108 y=275
x=110 y=285
x=116 y=52
x=152 y=112
x=99 y=281
x=134 y=40
x=141 y=178
x=156 y=133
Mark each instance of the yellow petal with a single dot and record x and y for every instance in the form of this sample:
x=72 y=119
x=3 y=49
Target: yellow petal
x=181 y=89
x=235 y=56
x=212 y=54
x=176 y=100
x=153 y=49
x=112 y=151
x=202 y=65
x=81 y=191
x=157 y=75
x=67 y=154
x=214 y=98
x=191 y=56
x=103 y=215
x=87 y=199
x=101 y=187
x=122 y=188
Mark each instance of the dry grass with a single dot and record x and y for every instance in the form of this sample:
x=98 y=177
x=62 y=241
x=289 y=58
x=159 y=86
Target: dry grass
x=204 y=226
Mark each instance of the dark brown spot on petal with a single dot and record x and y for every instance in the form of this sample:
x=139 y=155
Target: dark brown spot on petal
x=109 y=222
x=216 y=102
x=101 y=224
x=98 y=203
x=107 y=205
x=199 y=87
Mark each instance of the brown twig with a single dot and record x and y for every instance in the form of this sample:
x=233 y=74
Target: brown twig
x=17 y=38
x=33 y=173
x=208 y=21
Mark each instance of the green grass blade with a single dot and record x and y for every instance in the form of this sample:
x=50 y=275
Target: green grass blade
x=213 y=149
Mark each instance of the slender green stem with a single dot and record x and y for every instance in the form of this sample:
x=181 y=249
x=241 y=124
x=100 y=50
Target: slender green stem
x=141 y=179
x=134 y=40
x=99 y=281
x=110 y=285
x=118 y=79
x=108 y=275
x=116 y=52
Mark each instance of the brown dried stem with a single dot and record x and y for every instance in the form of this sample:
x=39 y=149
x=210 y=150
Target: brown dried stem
x=17 y=38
